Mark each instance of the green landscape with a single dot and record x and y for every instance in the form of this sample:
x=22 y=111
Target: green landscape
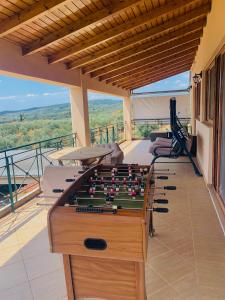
x=22 y=127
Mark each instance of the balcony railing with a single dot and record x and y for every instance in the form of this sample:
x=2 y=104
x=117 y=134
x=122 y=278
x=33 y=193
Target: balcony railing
x=142 y=128
x=21 y=168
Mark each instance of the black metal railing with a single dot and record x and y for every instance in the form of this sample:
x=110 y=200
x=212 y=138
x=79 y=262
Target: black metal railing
x=21 y=168
x=142 y=128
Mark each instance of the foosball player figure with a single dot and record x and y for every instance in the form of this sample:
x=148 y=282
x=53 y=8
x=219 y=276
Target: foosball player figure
x=113 y=180
x=142 y=188
x=136 y=182
x=145 y=170
x=91 y=192
x=105 y=188
x=133 y=194
x=102 y=182
x=124 y=182
x=129 y=187
x=117 y=188
x=141 y=171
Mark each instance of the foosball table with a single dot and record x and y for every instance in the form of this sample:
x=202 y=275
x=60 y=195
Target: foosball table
x=101 y=225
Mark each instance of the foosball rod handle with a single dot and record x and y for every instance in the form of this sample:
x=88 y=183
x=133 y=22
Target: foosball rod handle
x=161 y=201
x=162 y=177
x=70 y=180
x=161 y=210
x=57 y=190
x=170 y=187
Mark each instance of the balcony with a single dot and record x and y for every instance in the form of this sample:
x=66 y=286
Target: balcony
x=186 y=258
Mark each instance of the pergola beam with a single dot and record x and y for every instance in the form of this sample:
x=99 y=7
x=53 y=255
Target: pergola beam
x=158 y=76
x=100 y=15
x=27 y=15
x=146 y=35
x=153 y=54
x=122 y=28
x=165 y=64
x=152 y=71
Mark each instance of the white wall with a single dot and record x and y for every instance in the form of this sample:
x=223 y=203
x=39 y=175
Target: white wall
x=212 y=41
x=150 y=107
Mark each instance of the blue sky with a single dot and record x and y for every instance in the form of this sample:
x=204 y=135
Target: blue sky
x=18 y=94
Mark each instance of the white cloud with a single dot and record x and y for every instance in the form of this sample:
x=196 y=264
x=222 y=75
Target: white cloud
x=31 y=95
x=54 y=93
x=7 y=97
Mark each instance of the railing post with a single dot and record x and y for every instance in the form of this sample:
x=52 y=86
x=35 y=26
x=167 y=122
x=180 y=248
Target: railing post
x=38 y=170
x=41 y=159
x=113 y=134
x=107 y=135
x=14 y=177
x=9 y=182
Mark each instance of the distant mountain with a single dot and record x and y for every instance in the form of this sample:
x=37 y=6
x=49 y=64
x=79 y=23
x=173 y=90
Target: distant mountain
x=57 y=111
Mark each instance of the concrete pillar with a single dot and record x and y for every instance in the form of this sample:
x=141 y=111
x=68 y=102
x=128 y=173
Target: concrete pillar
x=80 y=115
x=127 y=117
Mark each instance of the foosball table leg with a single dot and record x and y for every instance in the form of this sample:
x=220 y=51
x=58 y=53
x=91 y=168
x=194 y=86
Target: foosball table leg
x=151 y=228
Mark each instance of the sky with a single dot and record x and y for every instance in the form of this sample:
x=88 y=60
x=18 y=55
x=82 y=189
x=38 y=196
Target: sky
x=18 y=94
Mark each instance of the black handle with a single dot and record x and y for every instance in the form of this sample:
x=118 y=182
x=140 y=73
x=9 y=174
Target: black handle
x=170 y=187
x=95 y=244
x=162 y=177
x=70 y=180
x=57 y=191
x=161 y=201
x=161 y=209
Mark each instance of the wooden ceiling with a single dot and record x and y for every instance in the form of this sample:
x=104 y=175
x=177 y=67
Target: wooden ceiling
x=128 y=43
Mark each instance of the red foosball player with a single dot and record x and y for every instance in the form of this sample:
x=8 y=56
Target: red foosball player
x=113 y=180
x=112 y=192
x=91 y=192
x=133 y=194
x=124 y=181
x=142 y=188
x=117 y=188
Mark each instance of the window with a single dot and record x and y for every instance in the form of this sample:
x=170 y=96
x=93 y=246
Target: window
x=197 y=100
x=210 y=93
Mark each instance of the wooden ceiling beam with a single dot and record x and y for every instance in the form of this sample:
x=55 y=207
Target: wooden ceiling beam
x=164 y=67
x=157 y=78
x=127 y=26
x=34 y=11
x=92 y=19
x=162 y=60
x=145 y=70
x=153 y=54
x=158 y=73
x=145 y=35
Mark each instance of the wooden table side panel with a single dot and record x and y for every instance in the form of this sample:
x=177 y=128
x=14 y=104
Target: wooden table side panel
x=107 y=279
x=122 y=234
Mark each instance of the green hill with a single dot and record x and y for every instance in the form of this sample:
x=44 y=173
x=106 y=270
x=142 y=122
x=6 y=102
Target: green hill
x=30 y=125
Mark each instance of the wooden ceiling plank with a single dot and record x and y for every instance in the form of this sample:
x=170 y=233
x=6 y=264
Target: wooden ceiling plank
x=151 y=63
x=116 y=31
x=142 y=71
x=198 y=12
x=92 y=19
x=35 y=10
x=165 y=66
x=157 y=53
x=129 y=55
x=158 y=77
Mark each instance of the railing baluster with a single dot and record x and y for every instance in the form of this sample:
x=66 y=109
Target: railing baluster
x=9 y=182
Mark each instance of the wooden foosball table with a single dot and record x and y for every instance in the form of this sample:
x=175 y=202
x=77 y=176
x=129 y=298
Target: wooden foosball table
x=101 y=226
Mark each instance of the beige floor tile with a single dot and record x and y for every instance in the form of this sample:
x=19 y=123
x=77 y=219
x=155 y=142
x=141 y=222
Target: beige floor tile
x=171 y=266
x=187 y=286
x=42 y=264
x=153 y=281
x=12 y=275
x=10 y=255
x=19 y=292
x=156 y=248
x=52 y=286
x=166 y=293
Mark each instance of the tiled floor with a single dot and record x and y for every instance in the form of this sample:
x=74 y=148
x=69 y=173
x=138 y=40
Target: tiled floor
x=186 y=259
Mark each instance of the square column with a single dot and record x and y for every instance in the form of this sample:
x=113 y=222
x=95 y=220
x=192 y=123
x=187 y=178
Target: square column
x=80 y=115
x=127 y=117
